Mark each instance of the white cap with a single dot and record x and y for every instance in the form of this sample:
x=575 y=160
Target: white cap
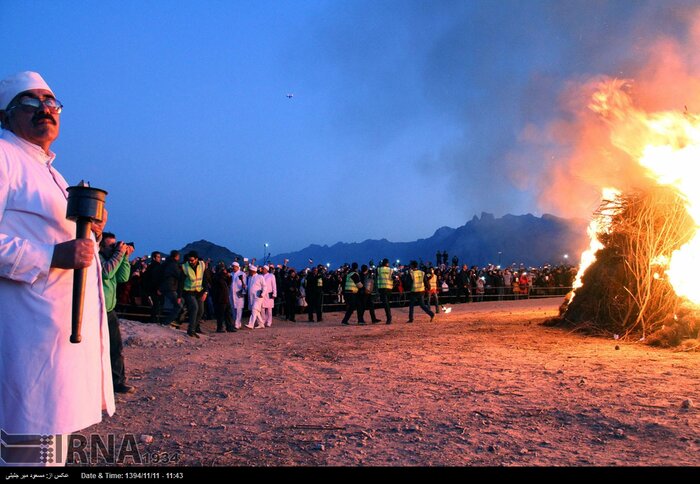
x=266 y=267
x=236 y=264
x=251 y=267
x=20 y=82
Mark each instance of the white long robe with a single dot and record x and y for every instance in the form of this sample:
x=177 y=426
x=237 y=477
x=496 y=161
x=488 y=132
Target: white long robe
x=269 y=298
x=47 y=384
x=256 y=285
x=238 y=286
x=271 y=287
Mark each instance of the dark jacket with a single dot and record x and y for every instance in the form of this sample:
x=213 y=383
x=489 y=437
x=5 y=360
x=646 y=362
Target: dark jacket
x=291 y=286
x=171 y=277
x=312 y=287
x=220 y=287
x=150 y=280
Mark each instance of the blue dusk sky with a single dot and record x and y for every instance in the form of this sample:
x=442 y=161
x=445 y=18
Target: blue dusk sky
x=403 y=119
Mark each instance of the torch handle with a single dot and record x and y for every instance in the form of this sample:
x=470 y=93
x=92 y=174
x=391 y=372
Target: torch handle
x=83 y=226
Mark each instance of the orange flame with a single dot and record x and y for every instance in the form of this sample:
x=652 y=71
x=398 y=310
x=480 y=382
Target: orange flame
x=667 y=145
x=599 y=224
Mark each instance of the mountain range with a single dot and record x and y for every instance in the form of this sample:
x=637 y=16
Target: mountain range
x=511 y=239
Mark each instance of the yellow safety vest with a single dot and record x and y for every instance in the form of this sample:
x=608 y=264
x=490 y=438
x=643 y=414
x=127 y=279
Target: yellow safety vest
x=193 y=278
x=350 y=285
x=433 y=281
x=384 y=278
x=418 y=285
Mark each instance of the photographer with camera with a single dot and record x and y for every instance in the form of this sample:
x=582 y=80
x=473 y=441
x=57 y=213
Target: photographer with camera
x=114 y=257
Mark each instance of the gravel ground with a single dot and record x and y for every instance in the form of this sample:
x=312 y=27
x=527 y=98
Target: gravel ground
x=485 y=385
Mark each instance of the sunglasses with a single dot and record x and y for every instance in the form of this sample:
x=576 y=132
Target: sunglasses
x=32 y=104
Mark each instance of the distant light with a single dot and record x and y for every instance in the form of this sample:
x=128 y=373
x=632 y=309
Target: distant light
x=566 y=256
x=328 y=264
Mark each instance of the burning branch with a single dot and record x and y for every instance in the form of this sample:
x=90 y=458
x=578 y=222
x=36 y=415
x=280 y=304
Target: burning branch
x=625 y=291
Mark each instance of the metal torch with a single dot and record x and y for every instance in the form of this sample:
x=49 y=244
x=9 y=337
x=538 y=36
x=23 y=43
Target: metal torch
x=85 y=206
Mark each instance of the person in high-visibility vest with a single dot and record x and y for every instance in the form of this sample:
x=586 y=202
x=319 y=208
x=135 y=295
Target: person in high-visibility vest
x=433 y=288
x=351 y=287
x=194 y=291
x=417 y=293
x=385 y=285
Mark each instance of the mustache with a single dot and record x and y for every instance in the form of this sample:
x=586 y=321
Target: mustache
x=38 y=117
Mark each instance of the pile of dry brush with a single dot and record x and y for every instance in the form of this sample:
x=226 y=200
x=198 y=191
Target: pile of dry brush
x=623 y=291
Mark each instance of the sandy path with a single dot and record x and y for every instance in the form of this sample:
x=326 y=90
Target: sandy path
x=484 y=385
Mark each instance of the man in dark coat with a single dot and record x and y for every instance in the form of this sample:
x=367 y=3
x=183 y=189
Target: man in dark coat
x=150 y=280
x=314 y=293
x=290 y=284
x=463 y=285
x=170 y=285
x=365 y=296
x=221 y=284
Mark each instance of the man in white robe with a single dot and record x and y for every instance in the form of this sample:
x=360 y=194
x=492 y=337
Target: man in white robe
x=269 y=295
x=48 y=386
x=238 y=293
x=256 y=290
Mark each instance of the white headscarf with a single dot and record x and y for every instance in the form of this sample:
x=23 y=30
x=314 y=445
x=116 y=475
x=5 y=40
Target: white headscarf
x=20 y=82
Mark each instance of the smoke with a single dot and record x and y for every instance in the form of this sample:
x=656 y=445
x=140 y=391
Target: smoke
x=490 y=98
x=573 y=152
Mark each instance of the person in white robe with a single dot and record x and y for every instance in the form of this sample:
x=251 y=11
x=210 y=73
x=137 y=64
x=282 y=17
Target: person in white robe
x=256 y=291
x=48 y=385
x=269 y=295
x=238 y=294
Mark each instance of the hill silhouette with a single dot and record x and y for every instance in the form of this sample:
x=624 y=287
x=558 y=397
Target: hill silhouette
x=519 y=239
x=208 y=250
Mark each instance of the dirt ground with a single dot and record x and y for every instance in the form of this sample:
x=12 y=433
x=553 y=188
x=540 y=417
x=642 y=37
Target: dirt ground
x=485 y=385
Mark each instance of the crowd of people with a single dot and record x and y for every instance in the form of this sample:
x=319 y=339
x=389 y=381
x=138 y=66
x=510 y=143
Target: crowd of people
x=58 y=379
x=315 y=289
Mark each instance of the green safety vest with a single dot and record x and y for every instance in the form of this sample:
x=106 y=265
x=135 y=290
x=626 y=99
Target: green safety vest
x=350 y=285
x=384 y=278
x=418 y=285
x=193 y=278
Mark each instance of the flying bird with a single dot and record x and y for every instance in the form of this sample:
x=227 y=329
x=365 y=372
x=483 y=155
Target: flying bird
x=290 y=95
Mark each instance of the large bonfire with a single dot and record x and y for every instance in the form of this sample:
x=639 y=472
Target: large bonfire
x=641 y=275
